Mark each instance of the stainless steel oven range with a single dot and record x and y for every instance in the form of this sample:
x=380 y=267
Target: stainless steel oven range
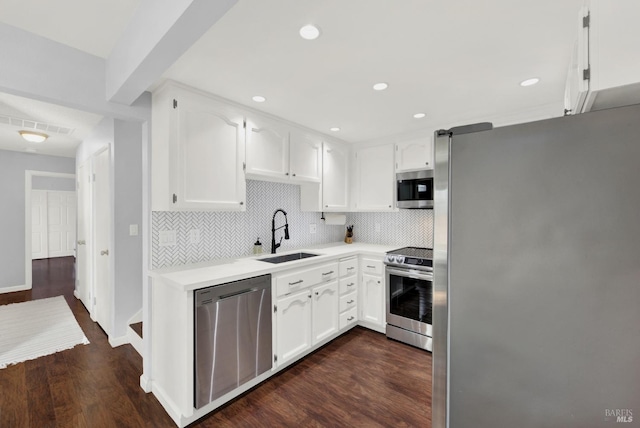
x=409 y=274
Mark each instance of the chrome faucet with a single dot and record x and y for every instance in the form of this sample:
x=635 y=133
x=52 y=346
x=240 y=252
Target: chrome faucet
x=275 y=246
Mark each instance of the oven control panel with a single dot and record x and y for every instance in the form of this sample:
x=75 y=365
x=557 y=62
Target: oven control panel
x=408 y=262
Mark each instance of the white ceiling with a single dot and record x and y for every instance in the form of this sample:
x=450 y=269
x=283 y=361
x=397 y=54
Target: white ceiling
x=458 y=61
x=13 y=107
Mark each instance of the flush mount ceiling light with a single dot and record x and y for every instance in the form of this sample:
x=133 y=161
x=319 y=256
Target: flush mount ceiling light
x=419 y=115
x=380 y=86
x=529 y=82
x=259 y=99
x=309 y=32
x=33 y=137
x=334 y=129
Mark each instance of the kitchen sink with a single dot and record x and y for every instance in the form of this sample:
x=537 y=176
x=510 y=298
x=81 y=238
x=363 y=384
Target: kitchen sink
x=288 y=257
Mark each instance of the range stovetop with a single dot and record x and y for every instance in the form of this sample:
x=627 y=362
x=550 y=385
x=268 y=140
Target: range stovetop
x=411 y=258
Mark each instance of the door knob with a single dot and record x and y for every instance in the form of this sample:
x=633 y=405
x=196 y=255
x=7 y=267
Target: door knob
x=104 y=252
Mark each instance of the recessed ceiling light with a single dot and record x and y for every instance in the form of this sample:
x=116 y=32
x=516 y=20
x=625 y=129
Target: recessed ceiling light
x=33 y=137
x=529 y=82
x=334 y=129
x=309 y=32
x=419 y=115
x=380 y=86
x=259 y=99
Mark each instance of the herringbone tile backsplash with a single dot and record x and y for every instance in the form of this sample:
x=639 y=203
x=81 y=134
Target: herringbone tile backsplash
x=232 y=234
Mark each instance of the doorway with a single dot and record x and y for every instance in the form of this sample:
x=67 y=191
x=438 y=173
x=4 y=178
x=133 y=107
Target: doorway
x=42 y=227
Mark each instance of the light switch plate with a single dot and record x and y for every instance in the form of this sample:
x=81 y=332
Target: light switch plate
x=133 y=230
x=312 y=228
x=167 y=238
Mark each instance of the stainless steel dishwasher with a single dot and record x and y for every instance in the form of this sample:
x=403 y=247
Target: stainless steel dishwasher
x=232 y=336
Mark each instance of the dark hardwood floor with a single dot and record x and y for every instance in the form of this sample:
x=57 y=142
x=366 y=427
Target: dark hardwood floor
x=360 y=379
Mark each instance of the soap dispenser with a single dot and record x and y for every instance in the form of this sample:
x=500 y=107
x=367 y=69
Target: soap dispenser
x=257 y=247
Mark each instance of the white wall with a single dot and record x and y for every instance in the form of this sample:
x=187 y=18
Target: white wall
x=126 y=141
x=127 y=179
x=12 y=215
x=53 y=183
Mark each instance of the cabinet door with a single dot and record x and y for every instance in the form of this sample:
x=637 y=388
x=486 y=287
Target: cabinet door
x=305 y=153
x=210 y=152
x=335 y=177
x=414 y=154
x=267 y=149
x=293 y=325
x=324 y=311
x=577 y=86
x=375 y=179
x=373 y=300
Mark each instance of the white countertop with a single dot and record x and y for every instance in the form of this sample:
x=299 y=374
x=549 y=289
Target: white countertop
x=199 y=275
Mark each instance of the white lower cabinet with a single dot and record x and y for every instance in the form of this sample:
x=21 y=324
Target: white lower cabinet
x=293 y=321
x=324 y=311
x=348 y=288
x=372 y=292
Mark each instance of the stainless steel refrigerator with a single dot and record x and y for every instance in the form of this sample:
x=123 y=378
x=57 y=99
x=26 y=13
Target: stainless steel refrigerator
x=536 y=318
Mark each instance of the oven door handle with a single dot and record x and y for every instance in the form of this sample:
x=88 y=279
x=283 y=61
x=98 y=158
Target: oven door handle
x=410 y=273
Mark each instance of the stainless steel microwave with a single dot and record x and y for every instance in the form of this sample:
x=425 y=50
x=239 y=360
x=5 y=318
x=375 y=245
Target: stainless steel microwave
x=415 y=189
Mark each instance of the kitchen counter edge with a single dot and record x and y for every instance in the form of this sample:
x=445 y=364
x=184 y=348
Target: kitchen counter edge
x=194 y=276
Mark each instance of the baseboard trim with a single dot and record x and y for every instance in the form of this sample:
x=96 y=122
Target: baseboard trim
x=145 y=383
x=135 y=340
x=118 y=341
x=14 y=288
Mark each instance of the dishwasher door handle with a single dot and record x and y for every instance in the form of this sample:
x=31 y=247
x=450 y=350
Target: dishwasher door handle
x=237 y=293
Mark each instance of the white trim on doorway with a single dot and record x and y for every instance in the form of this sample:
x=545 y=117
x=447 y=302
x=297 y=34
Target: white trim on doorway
x=28 y=182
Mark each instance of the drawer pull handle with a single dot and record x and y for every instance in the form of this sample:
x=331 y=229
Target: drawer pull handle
x=327 y=273
x=350 y=319
x=371 y=267
x=349 y=302
x=351 y=268
x=300 y=281
x=351 y=284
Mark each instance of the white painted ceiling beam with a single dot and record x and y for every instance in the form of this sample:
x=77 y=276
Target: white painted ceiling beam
x=157 y=35
x=39 y=68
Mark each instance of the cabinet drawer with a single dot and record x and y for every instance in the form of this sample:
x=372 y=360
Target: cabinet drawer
x=348 y=267
x=372 y=267
x=348 y=301
x=297 y=280
x=347 y=285
x=328 y=272
x=348 y=318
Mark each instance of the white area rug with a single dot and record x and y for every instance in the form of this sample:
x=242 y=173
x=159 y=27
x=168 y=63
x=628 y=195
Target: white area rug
x=37 y=328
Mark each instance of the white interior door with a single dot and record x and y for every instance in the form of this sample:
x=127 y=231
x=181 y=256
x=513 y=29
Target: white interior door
x=83 y=256
x=102 y=235
x=39 y=246
x=61 y=223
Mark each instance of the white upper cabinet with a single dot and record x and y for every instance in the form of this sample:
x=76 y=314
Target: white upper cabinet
x=197 y=153
x=414 y=154
x=374 y=179
x=335 y=177
x=332 y=195
x=603 y=73
x=305 y=156
x=277 y=153
x=267 y=149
